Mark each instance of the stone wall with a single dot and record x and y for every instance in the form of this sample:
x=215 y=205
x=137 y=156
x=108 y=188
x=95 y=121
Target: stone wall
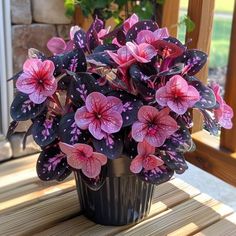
x=34 y=22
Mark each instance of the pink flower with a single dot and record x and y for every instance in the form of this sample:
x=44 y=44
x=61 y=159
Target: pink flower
x=130 y=22
x=101 y=115
x=103 y=32
x=145 y=159
x=143 y=52
x=37 y=80
x=177 y=95
x=224 y=113
x=81 y=156
x=147 y=36
x=153 y=126
x=123 y=58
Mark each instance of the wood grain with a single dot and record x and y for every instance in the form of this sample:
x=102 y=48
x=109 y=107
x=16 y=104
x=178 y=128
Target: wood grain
x=166 y=195
x=224 y=227
x=228 y=137
x=183 y=219
x=201 y=12
x=213 y=159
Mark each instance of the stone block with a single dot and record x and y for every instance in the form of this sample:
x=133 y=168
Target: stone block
x=50 y=12
x=63 y=31
x=29 y=36
x=5 y=150
x=17 y=146
x=21 y=12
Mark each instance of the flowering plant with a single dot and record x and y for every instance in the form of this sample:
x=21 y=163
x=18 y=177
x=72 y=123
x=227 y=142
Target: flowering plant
x=94 y=100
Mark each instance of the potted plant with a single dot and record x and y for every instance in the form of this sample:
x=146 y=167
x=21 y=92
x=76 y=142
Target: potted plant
x=114 y=108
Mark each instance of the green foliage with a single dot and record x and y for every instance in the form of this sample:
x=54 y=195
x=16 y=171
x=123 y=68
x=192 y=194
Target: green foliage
x=189 y=24
x=70 y=7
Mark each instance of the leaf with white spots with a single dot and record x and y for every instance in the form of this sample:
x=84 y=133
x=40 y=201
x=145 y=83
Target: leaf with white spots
x=69 y=132
x=95 y=183
x=194 y=60
x=44 y=130
x=156 y=176
x=139 y=26
x=131 y=105
x=22 y=108
x=104 y=47
x=80 y=39
x=130 y=146
x=111 y=145
x=52 y=164
x=208 y=99
x=176 y=42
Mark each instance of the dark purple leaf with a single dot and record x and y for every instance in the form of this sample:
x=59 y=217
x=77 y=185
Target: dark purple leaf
x=11 y=128
x=69 y=132
x=52 y=164
x=104 y=47
x=194 y=59
x=130 y=146
x=27 y=134
x=16 y=76
x=100 y=59
x=83 y=84
x=209 y=123
x=174 y=160
x=22 y=108
x=131 y=105
x=44 y=130
x=141 y=25
x=185 y=119
x=80 y=39
x=177 y=69
x=111 y=146
x=176 y=42
x=157 y=176
x=95 y=183
x=208 y=99
x=74 y=61
x=57 y=61
x=121 y=38
x=64 y=83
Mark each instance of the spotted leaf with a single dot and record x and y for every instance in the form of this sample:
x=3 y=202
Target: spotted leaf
x=111 y=146
x=44 y=130
x=157 y=176
x=52 y=164
x=104 y=47
x=131 y=105
x=121 y=38
x=23 y=108
x=69 y=132
x=176 y=42
x=80 y=39
x=208 y=99
x=100 y=59
x=141 y=25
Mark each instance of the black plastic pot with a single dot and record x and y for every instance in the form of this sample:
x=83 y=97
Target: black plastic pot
x=122 y=199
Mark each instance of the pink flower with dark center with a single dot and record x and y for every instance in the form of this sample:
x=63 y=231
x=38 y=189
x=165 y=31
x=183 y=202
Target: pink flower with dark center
x=145 y=159
x=147 y=36
x=81 y=156
x=101 y=115
x=177 y=95
x=143 y=52
x=37 y=80
x=130 y=22
x=224 y=113
x=153 y=126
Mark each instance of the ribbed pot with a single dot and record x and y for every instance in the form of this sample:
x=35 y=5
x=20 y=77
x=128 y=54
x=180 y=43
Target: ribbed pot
x=123 y=199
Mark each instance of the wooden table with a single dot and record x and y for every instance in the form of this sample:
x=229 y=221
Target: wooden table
x=29 y=206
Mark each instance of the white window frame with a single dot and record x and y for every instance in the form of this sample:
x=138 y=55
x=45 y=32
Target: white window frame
x=6 y=88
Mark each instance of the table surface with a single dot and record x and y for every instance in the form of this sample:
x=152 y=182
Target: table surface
x=29 y=206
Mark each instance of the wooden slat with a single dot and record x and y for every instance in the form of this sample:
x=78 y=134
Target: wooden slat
x=166 y=195
x=168 y=16
x=213 y=159
x=184 y=219
x=228 y=137
x=40 y=215
x=201 y=12
x=224 y=227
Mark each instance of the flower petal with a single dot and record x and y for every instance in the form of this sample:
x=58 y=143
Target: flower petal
x=114 y=57
x=156 y=140
x=95 y=101
x=136 y=164
x=177 y=84
x=114 y=104
x=128 y=23
x=146 y=113
x=83 y=149
x=101 y=157
x=162 y=97
x=92 y=168
x=56 y=45
x=95 y=130
x=192 y=96
x=161 y=33
x=32 y=65
x=50 y=87
x=37 y=97
x=139 y=131
x=83 y=118
x=151 y=162
x=111 y=122
x=145 y=36
x=67 y=148
x=48 y=67
x=26 y=83
x=145 y=148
